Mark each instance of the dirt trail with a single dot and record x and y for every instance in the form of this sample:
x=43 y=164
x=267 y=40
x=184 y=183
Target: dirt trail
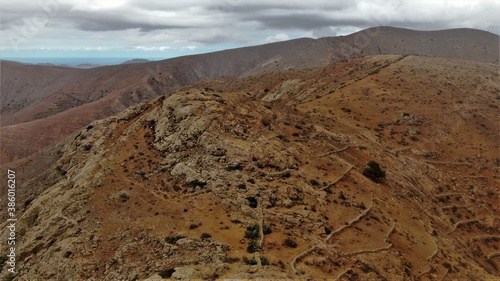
x=344 y=174
x=387 y=240
x=325 y=241
x=460 y=223
x=338 y=150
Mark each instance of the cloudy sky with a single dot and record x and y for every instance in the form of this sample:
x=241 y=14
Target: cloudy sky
x=158 y=29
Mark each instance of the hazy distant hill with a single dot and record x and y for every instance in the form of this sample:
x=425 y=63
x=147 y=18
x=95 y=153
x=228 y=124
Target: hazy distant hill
x=87 y=65
x=71 y=97
x=136 y=61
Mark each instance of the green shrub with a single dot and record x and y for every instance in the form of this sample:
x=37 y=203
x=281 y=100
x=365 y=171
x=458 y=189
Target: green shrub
x=266 y=229
x=374 y=172
x=252 y=232
x=205 y=236
x=248 y=261
x=342 y=196
x=289 y=243
x=264 y=261
x=253 y=246
x=366 y=268
x=231 y=260
x=315 y=182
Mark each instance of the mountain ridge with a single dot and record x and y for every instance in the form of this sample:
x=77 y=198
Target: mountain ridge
x=34 y=92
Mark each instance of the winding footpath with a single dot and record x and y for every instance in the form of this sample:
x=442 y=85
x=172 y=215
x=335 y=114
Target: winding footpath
x=325 y=241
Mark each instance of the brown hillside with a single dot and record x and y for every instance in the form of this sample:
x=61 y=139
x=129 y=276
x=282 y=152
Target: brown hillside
x=136 y=194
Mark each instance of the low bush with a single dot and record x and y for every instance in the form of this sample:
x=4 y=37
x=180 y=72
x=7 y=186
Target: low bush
x=248 y=261
x=366 y=268
x=266 y=229
x=314 y=182
x=374 y=172
x=289 y=243
x=253 y=246
x=205 y=235
x=231 y=260
x=252 y=232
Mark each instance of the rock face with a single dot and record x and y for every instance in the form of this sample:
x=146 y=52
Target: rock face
x=215 y=183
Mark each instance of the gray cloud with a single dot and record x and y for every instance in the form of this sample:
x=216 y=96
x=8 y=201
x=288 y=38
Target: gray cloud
x=113 y=21
x=303 y=21
x=188 y=22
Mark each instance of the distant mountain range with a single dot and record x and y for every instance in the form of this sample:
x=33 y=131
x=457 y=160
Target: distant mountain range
x=55 y=101
x=91 y=65
x=136 y=61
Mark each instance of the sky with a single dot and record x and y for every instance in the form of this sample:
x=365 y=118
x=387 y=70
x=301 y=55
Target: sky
x=110 y=31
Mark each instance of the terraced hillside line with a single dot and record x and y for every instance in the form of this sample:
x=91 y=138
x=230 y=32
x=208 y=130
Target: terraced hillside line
x=460 y=223
x=325 y=241
x=342 y=274
x=337 y=150
x=425 y=272
x=377 y=250
x=492 y=255
x=484 y=237
x=300 y=256
x=430 y=258
x=398 y=150
x=339 y=178
x=349 y=224
x=435 y=251
x=275 y=174
x=445 y=273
